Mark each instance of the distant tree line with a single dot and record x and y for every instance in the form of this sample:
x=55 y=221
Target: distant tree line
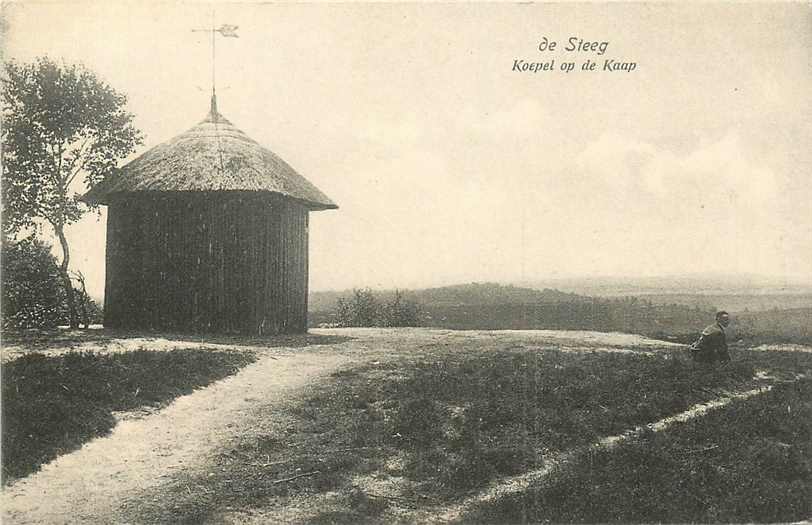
x=493 y=307
x=489 y=306
x=629 y=315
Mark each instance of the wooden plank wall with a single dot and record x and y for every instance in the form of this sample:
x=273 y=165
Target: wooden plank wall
x=228 y=263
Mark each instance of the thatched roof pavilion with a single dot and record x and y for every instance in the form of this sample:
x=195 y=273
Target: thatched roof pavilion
x=212 y=156
x=208 y=232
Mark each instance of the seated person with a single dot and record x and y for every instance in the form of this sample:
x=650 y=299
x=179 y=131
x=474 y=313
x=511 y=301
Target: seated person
x=711 y=347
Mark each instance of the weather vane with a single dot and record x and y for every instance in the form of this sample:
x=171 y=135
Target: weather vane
x=226 y=30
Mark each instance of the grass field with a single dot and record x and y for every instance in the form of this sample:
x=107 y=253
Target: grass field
x=748 y=462
x=425 y=425
x=54 y=404
x=407 y=434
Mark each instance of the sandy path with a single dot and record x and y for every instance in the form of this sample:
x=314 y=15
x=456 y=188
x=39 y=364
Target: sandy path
x=87 y=486
x=575 y=340
x=118 y=346
x=783 y=348
x=91 y=484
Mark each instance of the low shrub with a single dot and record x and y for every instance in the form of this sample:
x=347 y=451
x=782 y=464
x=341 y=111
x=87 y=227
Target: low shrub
x=364 y=308
x=32 y=293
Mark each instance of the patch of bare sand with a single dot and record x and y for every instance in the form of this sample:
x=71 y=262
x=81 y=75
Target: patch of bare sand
x=579 y=339
x=783 y=348
x=87 y=486
x=121 y=345
x=589 y=338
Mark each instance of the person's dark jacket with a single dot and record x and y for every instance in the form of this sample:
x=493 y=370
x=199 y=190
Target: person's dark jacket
x=711 y=345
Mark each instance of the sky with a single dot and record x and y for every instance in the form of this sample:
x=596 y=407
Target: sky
x=451 y=166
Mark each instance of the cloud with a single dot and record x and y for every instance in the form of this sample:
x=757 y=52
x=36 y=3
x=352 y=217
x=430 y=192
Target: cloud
x=712 y=208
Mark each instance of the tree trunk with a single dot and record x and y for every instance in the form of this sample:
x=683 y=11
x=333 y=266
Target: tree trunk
x=69 y=295
x=83 y=299
x=85 y=317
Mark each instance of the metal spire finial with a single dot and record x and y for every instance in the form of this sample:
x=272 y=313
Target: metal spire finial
x=225 y=30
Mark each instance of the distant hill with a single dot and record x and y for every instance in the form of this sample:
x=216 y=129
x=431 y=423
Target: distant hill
x=695 y=284
x=491 y=294
x=481 y=294
x=735 y=293
x=495 y=306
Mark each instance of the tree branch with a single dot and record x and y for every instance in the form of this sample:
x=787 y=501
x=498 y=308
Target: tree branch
x=49 y=219
x=72 y=173
x=56 y=162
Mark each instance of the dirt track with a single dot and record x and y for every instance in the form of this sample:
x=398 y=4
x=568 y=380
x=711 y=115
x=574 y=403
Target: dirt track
x=91 y=484
x=88 y=485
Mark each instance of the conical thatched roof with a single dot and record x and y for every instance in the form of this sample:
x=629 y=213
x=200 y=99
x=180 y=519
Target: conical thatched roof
x=213 y=156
